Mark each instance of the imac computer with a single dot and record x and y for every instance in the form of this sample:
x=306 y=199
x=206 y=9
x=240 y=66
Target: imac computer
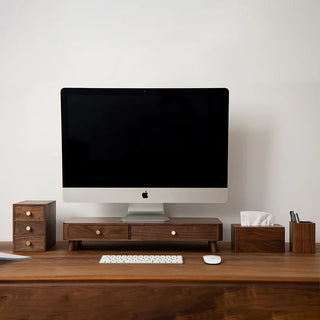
x=145 y=147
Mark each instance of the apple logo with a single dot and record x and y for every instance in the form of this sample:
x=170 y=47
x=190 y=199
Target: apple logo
x=145 y=195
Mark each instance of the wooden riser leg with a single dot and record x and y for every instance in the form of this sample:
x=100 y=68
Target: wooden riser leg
x=213 y=246
x=71 y=245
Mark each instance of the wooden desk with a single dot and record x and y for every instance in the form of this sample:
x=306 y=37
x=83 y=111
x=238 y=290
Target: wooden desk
x=72 y=285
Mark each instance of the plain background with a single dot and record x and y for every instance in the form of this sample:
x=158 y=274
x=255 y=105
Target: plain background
x=266 y=52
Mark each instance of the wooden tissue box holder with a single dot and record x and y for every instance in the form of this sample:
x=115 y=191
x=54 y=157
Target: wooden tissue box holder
x=257 y=239
x=302 y=237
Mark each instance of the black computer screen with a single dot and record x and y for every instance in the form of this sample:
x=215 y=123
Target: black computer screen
x=153 y=138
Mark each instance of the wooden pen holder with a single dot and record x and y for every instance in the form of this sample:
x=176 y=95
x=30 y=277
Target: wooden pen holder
x=302 y=237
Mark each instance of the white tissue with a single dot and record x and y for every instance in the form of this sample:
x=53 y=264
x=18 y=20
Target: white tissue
x=256 y=218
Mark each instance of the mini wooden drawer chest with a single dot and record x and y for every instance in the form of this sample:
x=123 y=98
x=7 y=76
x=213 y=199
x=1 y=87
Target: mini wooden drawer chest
x=34 y=225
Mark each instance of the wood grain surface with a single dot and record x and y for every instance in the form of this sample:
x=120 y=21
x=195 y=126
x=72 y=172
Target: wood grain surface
x=258 y=239
x=41 y=224
x=35 y=243
x=160 y=301
x=37 y=213
x=181 y=232
x=105 y=232
x=302 y=237
x=37 y=228
x=58 y=284
x=111 y=228
x=58 y=264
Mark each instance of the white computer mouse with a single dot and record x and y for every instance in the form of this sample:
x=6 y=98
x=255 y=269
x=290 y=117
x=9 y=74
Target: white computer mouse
x=212 y=259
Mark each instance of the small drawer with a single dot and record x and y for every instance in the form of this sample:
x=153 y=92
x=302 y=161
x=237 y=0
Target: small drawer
x=29 y=213
x=29 y=243
x=29 y=228
x=174 y=232
x=92 y=232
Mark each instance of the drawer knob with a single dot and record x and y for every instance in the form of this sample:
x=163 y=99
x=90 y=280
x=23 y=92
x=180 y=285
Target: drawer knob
x=28 y=228
x=28 y=213
x=28 y=243
x=98 y=232
x=173 y=232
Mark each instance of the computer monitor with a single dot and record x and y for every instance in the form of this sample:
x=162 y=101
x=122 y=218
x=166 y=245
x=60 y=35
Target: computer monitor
x=145 y=147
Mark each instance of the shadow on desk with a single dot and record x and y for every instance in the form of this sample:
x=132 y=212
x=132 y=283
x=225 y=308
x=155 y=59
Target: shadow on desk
x=147 y=246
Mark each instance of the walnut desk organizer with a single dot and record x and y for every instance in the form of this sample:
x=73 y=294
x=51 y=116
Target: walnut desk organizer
x=257 y=239
x=302 y=237
x=34 y=225
x=77 y=230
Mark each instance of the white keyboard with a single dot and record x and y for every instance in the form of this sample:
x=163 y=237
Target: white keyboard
x=129 y=258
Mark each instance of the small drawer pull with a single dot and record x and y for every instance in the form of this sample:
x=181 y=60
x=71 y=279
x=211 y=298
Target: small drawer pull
x=98 y=232
x=28 y=213
x=173 y=232
x=28 y=228
x=28 y=243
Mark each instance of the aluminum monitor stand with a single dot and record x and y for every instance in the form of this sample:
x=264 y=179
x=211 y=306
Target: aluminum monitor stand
x=145 y=212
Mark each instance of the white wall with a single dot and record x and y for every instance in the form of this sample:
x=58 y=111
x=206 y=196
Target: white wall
x=266 y=52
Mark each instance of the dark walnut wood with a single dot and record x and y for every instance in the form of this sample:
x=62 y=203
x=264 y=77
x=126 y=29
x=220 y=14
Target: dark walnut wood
x=34 y=225
x=37 y=213
x=257 y=239
x=174 y=232
x=59 y=284
x=302 y=237
x=29 y=228
x=177 y=229
x=97 y=232
x=160 y=301
x=29 y=243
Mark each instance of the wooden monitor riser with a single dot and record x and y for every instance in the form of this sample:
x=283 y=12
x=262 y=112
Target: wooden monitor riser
x=77 y=230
